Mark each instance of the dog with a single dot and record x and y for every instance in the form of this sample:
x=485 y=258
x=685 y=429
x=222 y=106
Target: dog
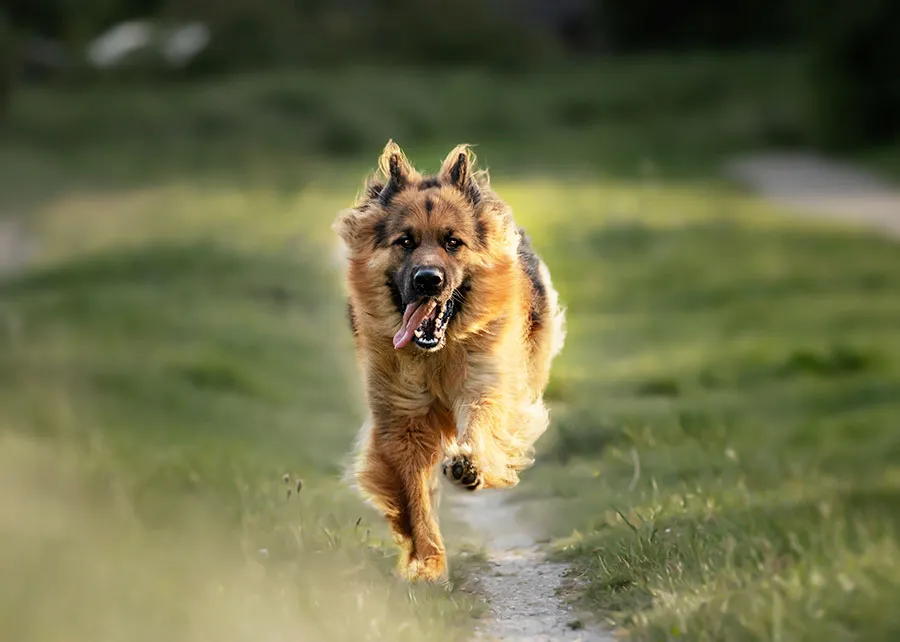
x=455 y=322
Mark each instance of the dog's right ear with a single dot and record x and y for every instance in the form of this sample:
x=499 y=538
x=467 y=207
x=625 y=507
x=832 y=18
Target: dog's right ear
x=396 y=170
x=347 y=225
x=458 y=171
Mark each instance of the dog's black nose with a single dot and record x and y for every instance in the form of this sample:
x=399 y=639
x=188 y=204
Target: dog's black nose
x=428 y=280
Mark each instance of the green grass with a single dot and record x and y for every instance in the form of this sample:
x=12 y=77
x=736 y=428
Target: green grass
x=723 y=462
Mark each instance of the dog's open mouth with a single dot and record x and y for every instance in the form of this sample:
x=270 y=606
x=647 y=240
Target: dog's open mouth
x=424 y=322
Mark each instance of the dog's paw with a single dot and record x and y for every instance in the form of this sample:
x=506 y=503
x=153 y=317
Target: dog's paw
x=430 y=569
x=460 y=470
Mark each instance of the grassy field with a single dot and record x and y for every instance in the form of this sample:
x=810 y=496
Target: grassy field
x=725 y=463
x=724 y=460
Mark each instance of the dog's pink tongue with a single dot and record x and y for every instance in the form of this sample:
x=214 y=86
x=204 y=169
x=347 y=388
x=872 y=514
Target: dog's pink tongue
x=414 y=315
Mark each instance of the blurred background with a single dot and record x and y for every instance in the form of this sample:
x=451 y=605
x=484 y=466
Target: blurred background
x=178 y=390
x=790 y=73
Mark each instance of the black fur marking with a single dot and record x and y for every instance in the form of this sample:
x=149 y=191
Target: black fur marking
x=352 y=317
x=472 y=192
x=396 y=297
x=387 y=193
x=397 y=181
x=374 y=190
x=396 y=171
x=460 y=177
x=381 y=233
x=428 y=183
x=481 y=231
x=460 y=295
x=429 y=205
x=459 y=173
x=531 y=263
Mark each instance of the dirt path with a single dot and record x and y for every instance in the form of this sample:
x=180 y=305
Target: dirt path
x=15 y=249
x=808 y=185
x=521 y=585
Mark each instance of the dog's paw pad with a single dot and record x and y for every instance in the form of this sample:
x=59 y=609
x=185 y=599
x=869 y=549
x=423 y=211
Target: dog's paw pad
x=461 y=471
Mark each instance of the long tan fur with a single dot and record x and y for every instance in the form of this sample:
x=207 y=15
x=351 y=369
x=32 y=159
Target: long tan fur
x=474 y=408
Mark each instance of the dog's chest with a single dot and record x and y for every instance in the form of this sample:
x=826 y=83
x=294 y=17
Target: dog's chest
x=440 y=377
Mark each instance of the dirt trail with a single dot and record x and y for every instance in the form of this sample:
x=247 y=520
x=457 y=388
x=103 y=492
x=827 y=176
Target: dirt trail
x=812 y=186
x=521 y=584
x=15 y=248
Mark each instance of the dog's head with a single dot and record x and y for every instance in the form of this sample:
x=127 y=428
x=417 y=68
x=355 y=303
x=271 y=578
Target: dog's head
x=424 y=250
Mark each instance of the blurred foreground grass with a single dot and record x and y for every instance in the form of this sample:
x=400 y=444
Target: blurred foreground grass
x=730 y=381
x=163 y=399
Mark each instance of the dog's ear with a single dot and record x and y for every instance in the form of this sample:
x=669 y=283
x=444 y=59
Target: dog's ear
x=348 y=226
x=458 y=169
x=396 y=170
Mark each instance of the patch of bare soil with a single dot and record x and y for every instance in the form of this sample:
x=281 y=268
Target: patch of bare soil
x=521 y=585
x=809 y=185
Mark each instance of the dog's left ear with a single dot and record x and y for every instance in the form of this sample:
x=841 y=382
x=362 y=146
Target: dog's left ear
x=457 y=170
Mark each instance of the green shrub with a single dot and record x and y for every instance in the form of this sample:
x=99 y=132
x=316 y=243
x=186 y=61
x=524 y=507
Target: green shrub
x=852 y=66
x=407 y=32
x=635 y=25
x=6 y=65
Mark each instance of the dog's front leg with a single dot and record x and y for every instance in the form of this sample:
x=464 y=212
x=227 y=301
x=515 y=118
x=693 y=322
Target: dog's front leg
x=497 y=423
x=485 y=453
x=395 y=470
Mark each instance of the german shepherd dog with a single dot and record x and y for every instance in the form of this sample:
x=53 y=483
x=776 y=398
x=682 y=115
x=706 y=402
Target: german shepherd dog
x=456 y=323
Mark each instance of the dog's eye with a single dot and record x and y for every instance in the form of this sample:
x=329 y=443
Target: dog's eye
x=453 y=244
x=406 y=242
